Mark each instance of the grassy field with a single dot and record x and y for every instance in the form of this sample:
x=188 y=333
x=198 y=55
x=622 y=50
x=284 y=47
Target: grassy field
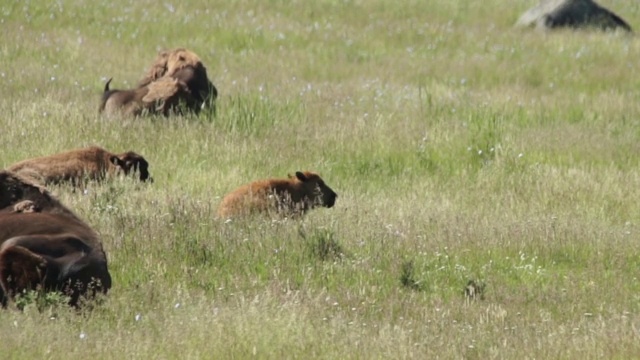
x=461 y=149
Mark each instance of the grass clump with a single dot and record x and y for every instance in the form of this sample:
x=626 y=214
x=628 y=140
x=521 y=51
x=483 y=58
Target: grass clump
x=322 y=245
x=408 y=276
x=40 y=300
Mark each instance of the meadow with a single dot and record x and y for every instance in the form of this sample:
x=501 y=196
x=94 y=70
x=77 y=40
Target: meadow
x=461 y=149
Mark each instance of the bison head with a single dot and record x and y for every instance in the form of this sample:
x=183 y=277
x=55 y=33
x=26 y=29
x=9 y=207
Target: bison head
x=315 y=190
x=131 y=162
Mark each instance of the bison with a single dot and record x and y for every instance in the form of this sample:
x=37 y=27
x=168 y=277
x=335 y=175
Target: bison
x=50 y=249
x=77 y=165
x=162 y=96
x=185 y=66
x=574 y=14
x=287 y=197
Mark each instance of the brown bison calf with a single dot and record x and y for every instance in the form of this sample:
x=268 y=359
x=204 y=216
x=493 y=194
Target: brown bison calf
x=163 y=96
x=288 y=197
x=185 y=66
x=77 y=165
x=48 y=250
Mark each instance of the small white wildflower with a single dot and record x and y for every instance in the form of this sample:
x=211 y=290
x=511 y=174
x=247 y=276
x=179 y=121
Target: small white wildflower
x=82 y=336
x=520 y=155
x=177 y=305
x=138 y=317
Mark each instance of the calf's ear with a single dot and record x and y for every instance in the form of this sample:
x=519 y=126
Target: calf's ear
x=301 y=176
x=20 y=269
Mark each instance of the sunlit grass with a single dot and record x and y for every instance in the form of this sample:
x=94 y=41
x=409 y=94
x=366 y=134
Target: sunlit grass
x=461 y=149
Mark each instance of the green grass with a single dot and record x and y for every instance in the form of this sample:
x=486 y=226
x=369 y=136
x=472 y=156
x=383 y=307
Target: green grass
x=461 y=149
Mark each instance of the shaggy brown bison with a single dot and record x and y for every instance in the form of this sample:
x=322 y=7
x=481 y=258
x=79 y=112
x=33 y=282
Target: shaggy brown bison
x=162 y=96
x=77 y=165
x=185 y=66
x=288 y=197
x=50 y=249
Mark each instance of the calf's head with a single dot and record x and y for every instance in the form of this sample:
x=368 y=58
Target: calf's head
x=314 y=190
x=130 y=162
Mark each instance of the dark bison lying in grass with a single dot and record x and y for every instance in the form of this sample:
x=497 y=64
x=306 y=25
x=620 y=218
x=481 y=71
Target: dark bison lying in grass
x=77 y=165
x=288 y=197
x=552 y=14
x=47 y=248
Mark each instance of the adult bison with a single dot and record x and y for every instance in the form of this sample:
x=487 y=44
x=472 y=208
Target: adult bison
x=77 y=165
x=288 y=197
x=48 y=249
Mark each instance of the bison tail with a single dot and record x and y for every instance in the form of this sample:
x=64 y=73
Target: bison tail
x=106 y=86
x=105 y=96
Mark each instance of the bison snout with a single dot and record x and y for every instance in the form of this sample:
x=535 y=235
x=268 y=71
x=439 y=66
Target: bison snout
x=331 y=200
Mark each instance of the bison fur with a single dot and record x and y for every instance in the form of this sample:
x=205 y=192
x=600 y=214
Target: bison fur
x=75 y=166
x=48 y=250
x=289 y=197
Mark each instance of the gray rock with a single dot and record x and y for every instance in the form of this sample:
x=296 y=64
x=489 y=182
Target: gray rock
x=550 y=14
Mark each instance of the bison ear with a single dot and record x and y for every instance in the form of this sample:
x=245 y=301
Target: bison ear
x=20 y=269
x=301 y=176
